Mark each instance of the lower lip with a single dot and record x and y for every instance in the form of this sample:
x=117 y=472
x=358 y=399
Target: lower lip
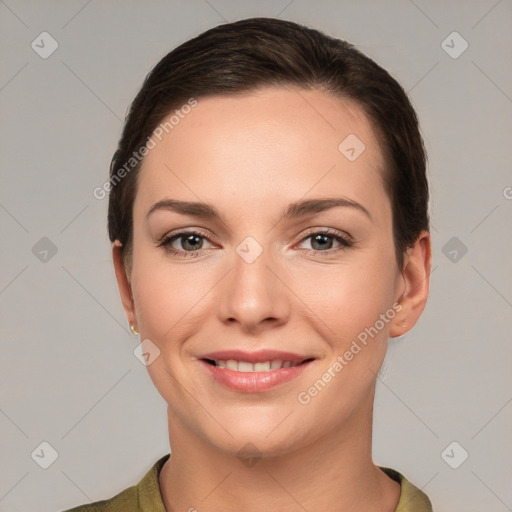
x=254 y=382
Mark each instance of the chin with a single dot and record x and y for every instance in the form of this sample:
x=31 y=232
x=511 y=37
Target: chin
x=248 y=440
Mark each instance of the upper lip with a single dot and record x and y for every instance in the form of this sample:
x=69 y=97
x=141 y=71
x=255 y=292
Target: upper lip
x=259 y=356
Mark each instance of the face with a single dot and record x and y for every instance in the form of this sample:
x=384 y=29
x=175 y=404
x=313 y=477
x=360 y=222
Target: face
x=251 y=280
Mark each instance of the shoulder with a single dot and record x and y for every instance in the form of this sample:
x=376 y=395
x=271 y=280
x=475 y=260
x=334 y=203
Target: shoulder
x=144 y=496
x=411 y=499
x=121 y=502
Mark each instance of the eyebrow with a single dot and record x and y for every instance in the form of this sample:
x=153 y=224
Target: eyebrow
x=292 y=211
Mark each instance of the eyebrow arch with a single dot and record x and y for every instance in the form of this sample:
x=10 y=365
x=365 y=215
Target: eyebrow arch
x=294 y=210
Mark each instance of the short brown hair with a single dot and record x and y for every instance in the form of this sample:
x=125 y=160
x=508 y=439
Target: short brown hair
x=256 y=52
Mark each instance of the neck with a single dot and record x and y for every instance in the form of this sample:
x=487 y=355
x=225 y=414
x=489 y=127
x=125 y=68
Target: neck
x=333 y=473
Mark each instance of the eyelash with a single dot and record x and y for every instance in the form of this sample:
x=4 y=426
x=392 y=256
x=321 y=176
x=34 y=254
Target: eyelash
x=166 y=242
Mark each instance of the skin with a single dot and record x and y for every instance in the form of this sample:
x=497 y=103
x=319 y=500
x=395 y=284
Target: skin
x=250 y=156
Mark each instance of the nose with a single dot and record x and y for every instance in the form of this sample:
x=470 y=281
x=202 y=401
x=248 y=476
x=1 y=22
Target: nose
x=254 y=294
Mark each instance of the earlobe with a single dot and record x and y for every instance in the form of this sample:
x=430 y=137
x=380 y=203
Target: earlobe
x=123 y=283
x=416 y=278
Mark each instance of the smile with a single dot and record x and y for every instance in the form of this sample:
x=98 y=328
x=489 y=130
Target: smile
x=254 y=372
x=245 y=366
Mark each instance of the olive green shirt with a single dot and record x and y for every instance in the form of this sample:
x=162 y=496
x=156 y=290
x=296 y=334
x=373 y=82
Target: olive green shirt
x=146 y=497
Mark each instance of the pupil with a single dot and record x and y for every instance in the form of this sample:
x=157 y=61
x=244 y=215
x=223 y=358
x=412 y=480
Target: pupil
x=316 y=240
x=189 y=238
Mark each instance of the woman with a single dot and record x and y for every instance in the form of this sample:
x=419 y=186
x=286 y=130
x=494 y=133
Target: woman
x=269 y=223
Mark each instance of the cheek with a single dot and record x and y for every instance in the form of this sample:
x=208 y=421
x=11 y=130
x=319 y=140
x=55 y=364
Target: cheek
x=165 y=294
x=350 y=297
x=347 y=295
x=164 y=301
x=359 y=294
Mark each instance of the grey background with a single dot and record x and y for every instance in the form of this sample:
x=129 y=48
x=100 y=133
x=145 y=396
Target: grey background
x=68 y=373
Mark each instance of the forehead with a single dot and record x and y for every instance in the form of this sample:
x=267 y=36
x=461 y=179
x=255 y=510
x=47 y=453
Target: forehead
x=290 y=142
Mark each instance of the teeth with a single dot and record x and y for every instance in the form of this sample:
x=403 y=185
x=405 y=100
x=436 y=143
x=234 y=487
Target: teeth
x=244 y=366
x=231 y=364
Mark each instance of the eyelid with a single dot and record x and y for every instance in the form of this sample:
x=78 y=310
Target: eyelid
x=329 y=231
x=166 y=241
x=183 y=232
x=345 y=240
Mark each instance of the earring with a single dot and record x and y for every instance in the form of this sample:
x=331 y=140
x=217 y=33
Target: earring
x=134 y=331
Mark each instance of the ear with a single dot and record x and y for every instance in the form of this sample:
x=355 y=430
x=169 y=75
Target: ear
x=415 y=276
x=123 y=283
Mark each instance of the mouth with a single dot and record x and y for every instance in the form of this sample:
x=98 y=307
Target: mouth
x=254 y=372
x=246 y=366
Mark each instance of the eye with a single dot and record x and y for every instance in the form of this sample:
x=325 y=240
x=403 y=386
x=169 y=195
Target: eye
x=190 y=242
x=323 y=240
